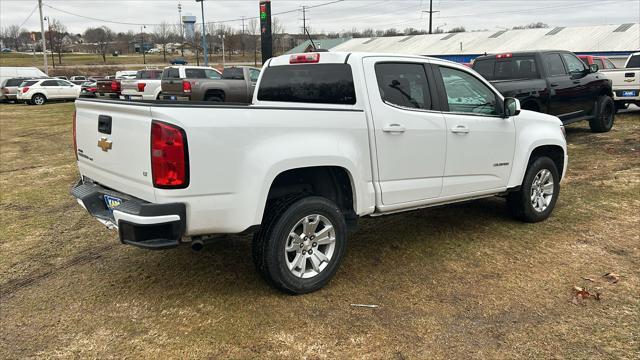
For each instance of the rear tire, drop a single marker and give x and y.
(214, 98)
(603, 116)
(539, 192)
(38, 99)
(286, 251)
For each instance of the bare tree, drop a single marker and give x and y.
(12, 34)
(457, 29)
(162, 34)
(277, 30)
(535, 25)
(56, 36)
(101, 38)
(254, 31)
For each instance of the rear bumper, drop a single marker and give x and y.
(630, 95)
(107, 95)
(139, 223)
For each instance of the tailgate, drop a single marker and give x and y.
(114, 142)
(104, 86)
(172, 86)
(129, 87)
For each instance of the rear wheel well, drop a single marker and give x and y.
(331, 182)
(214, 93)
(553, 152)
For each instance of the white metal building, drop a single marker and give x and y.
(606, 40)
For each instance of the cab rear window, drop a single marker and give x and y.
(308, 83)
(518, 67)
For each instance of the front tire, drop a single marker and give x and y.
(301, 244)
(604, 115)
(539, 192)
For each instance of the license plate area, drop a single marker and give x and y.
(626, 93)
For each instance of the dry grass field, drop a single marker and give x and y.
(463, 281)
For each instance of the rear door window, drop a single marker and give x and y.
(28, 83)
(194, 73)
(554, 63)
(308, 83)
(149, 74)
(634, 62)
(233, 74)
(485, 68)
(212, 74)
(404, 85)
(49, 83)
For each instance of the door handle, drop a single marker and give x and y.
(394, 128)
(576, 81)
(460, 129)
(554, 84)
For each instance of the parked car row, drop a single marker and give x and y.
(182, 83)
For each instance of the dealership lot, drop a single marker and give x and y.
(449, 282)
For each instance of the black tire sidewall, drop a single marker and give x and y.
(529, 213)
(33, 99)
(276, 266)
(598, 124)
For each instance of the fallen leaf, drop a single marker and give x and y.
(612, 277)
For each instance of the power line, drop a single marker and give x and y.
(210, 22)
(28, 17)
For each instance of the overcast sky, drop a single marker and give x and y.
(338, 16)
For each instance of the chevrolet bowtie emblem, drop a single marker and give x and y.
(105, 144)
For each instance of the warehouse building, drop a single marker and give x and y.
(613, 41)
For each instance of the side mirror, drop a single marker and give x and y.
(511, 107)
(594, 68)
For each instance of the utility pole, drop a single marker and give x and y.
(144, 57)
(204, 34)
(44, 41)
(53, 59)
(242, 37)
(430, 15)
(181, 29)
(304, 20)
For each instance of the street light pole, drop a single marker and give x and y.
(223, 58)
(204, 34)
(53, 59)
(44, 41)
(144, 57)
(181, 29)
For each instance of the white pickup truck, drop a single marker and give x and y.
(626, 82)
(145, 86)
(329, 138)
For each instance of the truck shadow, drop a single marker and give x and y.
(225, 266)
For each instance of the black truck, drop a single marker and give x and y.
(552, 82)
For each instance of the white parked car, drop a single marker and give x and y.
(37, 92)
(329, 138)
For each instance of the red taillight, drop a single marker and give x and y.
(504, 56)
(141, 87)
(304, 58)
(186, 86)
(92, 89)
(25, 89)
(75, 142)
(115, 86)
(169, 156)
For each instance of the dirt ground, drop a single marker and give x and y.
(463, 281)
